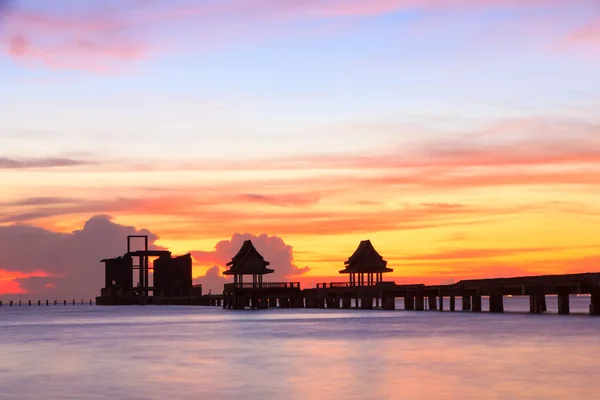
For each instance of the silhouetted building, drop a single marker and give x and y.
(118, 274)
(365, 263)
(256, 294)
(248, 261)
(173, 276)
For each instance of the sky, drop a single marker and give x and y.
(461, 137)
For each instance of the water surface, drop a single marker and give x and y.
(92, 352)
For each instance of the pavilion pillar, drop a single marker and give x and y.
(466, 303)
(452, 303)
(476, 303)
(409, 302)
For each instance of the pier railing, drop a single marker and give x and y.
(329, 285)
(265, 285)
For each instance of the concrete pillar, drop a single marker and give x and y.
(388, 303)
(377, 302)
(346, 302)
(537, 303)
(432, 302)
(466, 303)
(419, 303)
(452, 303)
(366, 303)
(563, 303)
(356, 302)
(476, 303)
(409, 303)
(595, 301)
(441, 301)
(496, 303)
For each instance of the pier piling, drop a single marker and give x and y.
(452, 303)
(496, 302)
(595, 301)
(563, 303)
(476, 303)
(419, 303)
(466, 303)
(432, 302)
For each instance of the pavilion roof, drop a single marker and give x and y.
(248, 261)
(365, 259)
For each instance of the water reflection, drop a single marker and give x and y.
(192, 352)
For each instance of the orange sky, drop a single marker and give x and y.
(461, 137)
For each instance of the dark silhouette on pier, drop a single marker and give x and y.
(365, 285)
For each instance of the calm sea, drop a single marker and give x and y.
(91, 352)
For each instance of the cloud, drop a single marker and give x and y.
(101, 37)
(63, 264)
(12, 163)
(272, 248)
(212, 281)
(287, 200)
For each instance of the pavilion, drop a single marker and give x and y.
(248, 261)
(365, 263)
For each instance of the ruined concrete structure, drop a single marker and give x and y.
(172, 278)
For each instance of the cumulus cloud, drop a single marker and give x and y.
(212, 281)
(272, 248)
(70, 262)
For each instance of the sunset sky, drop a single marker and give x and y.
(461, 137)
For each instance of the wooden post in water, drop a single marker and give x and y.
(476, 303)
(19, 303)
(39, 302)
(29, 303)
(452, 303)
(409, 302)
(11, 303)
(441, 297)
